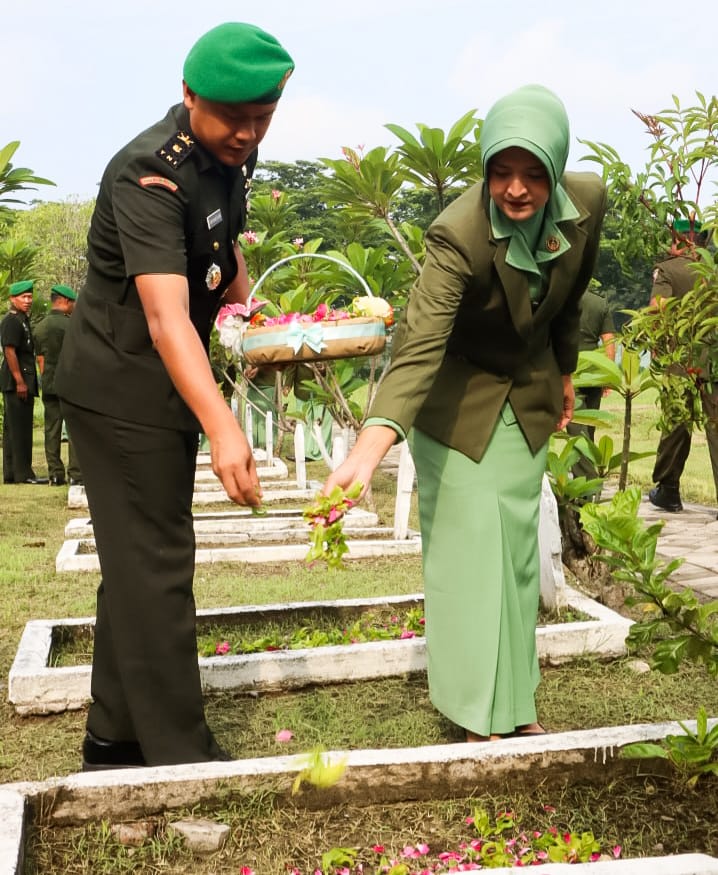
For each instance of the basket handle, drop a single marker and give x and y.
(281, 261)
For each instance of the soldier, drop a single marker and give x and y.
(49, 336)
(18, 381)
(136, 388)
(673, 278)
(596, 328)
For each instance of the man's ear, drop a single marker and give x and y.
(188, 95)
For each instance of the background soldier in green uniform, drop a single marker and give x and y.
(595, 328)
(49, 335)
(674, 277)
(18, 382)
(137, 388)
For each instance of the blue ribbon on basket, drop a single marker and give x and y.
(299, 333)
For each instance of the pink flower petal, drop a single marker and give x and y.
(284, 735)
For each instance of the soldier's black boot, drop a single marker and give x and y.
(666, 497)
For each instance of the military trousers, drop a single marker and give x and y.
(53, 442)
(17, 438)
(145, 674)
(674, 447)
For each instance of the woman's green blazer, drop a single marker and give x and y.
(471, 338)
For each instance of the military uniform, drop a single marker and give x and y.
(49, 336)
(596, 321)
(18, 416)
(674, 278)
(165, 205)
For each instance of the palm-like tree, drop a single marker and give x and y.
(14, 179)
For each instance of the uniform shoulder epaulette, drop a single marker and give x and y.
(176, 149)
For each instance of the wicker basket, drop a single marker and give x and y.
(313, 341)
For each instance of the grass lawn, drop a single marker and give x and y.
(393, 712)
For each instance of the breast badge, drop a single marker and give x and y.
(214, 277)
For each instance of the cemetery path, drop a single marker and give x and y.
(692, 535)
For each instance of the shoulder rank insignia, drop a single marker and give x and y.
(176, 149)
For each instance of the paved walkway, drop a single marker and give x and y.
(692, 535)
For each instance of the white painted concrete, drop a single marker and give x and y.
(278, 519)
(80, 554)
(382, 776)
(36, 688)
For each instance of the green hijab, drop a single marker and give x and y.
(533, 118)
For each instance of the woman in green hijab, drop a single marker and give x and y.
(480, 377)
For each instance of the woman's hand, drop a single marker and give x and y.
(569, 399)
(372, 445)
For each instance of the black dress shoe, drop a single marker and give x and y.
(99, 754)
(57, 481)
(667, 498)
(36, 481)
(75, 481)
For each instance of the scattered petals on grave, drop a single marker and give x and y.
(365, 628)
(494, 843)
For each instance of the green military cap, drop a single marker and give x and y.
(237, 63)
(683, 226)
(21, 287)
(65, 291)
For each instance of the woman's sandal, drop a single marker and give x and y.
(527, 731)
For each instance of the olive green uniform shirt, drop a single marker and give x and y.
(472, 338)
(673, 277)
(596, 320)
(165, 206)
(15, 332)
(49, 335)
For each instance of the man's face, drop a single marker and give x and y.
(23, 302)
(230, 131)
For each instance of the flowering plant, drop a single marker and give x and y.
(325, 518)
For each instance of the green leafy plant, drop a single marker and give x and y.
(677, 626)
(627, 378)
(365, 628)
(694, 754)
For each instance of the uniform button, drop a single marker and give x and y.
(215, 246)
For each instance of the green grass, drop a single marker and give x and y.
(392, 712)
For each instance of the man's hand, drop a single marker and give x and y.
(569, 400)
(233, 463)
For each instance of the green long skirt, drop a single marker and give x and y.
(479, 528)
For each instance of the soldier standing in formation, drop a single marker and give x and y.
(673, 278)
(49, 336)
(18, 382)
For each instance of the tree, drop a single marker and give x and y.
(439, 161)
(59, 231)
(674, 181)
(14, 179)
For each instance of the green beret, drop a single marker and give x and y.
(65, 291)
(21, 287)
(683, 226)
(237, 63)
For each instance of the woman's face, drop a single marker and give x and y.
(518, 183)
(230, 131)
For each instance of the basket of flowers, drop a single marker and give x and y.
(327, 333)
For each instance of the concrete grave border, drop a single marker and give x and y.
(34, 687)
(381, 776)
